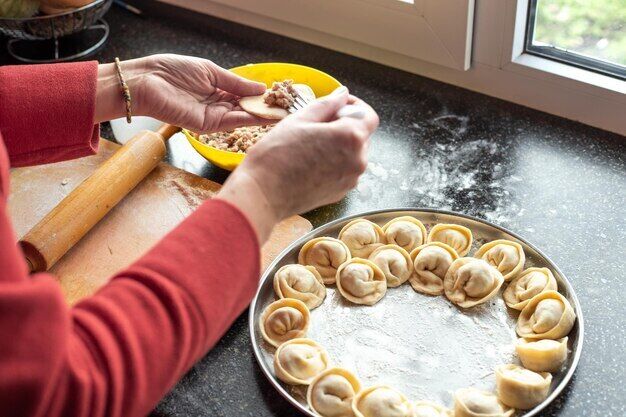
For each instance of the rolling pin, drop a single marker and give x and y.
(88, 203)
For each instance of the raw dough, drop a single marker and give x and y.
(299, 361)
(471, 402)
(430, 409)
(546, 316)
(381, 401)
(325, 254)
(506, 256)
(256, 105)
(395, 263)
(283, 320)
(454, 235)
(520, 388)
(361, 281)
(430, 264)
(303, 283)
(471, 281)
(529, 283)
(362, 237)
(331, 392)
(542, 355)
(406, 232)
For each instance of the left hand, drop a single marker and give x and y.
(189, 92)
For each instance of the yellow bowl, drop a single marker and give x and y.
(321, 83)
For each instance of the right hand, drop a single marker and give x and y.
(309, 159)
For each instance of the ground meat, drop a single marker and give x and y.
(238, 140)
(281, 94)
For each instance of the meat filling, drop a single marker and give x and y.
(238, 140)
(281, 94)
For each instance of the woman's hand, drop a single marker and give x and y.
(184, 91)
(309, 159)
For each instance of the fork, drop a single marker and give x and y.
(349, 110)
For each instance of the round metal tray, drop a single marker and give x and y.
(422, 345)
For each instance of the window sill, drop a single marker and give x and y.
(570, 76)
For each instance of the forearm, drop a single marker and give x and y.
(109, 99)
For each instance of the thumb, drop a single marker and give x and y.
(235, 84)
(325, 108)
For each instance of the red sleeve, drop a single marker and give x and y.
(118, 352)
(47, 111)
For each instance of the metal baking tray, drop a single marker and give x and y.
(424, 346)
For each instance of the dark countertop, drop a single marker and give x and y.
(560, 184)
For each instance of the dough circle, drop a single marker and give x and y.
(521, 388)
(547, 315)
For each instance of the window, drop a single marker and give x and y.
(589, 34)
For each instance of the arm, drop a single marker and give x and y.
(50, 113)
(47, 112)
(118, 352)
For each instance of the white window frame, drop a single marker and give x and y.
(499, 66)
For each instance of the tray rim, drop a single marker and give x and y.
(266, 275)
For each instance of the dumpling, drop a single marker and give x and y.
(430, 265)
(471, 402)
(530, 283)
(324, 254)
(362, 237)
(381, 401)
(456, 236)
(542, 355)
(546, 316)
(406, 232)
(361, 281)
(331, 392)
(430, 409)
(299, 361)
(520, 388)
(506, 256)
(283, 320)
(303, 283)
(394, 262)
(471, 281)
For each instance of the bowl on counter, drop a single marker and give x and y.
(267, 73)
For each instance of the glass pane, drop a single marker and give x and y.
(594, 28)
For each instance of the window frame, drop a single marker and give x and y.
(565, 56)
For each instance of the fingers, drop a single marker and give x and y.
(239, 118)
(234, 84)
(325, 108)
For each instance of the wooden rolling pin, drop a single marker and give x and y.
(83, 208)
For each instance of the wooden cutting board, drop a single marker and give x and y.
(153, 208)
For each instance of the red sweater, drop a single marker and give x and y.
(118, 352)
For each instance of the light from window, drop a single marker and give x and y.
(585, 33)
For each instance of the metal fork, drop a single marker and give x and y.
(299, 102)
(349, 110)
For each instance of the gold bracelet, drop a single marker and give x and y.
(125, 89)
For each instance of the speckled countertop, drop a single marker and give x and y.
(559, 184)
